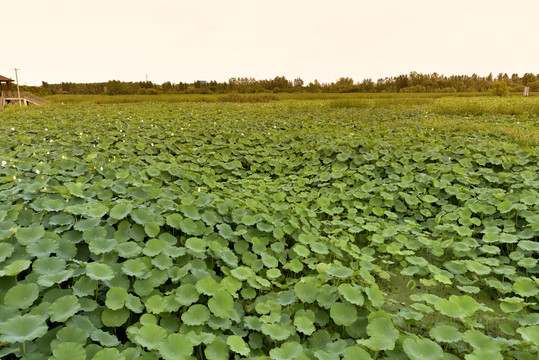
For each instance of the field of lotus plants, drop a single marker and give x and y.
(289, 230)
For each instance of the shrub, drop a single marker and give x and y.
(500, 89)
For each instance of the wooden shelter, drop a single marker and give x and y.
(7, 81)
(7, 96)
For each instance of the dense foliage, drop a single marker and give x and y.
(406, 83)
(269, 231)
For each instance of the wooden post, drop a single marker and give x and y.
(18, 89)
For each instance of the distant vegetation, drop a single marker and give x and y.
(410, 83)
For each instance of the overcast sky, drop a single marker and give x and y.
(178, 40)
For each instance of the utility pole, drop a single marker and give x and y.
(18, 89)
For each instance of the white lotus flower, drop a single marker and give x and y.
(37, 172)
(4, 162)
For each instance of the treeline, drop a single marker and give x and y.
(413, 83)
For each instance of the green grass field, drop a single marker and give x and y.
(337, 227)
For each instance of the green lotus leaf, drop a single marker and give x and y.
(121, 210)
(351, 294)
(99, 271)
(101, 245)
(528, 245)
(21, 296)
(108, 354)
(277, 332)
(75, 189)
(63, 308)
(97, 210)
(174, 220)
(50, 204)
(72, 334)
(477, 267)
(429, 198)
(156, 304)
(238, 345)
(30, 235)
(301, 250)
(197, 314)
(191, 212)
(445, 333)
(104, 338)
(6, 250)
(128, 249)
(356, 352)
(530, 334)
(23, 328)
(152, 229)
(114, 318)
(196, 245)
(47, 265)
(69, 351)
(340, 272)
(135, 267)
(15, 268)
(273, 273)
(289, 350)
(61, 219)
(207, 286)
(304, 324)
(134, 304)
(375, 296)
(505, 206)
(150, 336)
(422, 349)
(457, 306)
(383, 334)
(211, 218)
(188, 226)
(484, 354)
(525, 287)
(186, 294)
(47, 280)
(143, 215)
(94, 233)
(116, 298)
(154, 247)
(176, 347)
(201, 337)
(243, 273)
(307, 290)
(343, 313)
(221, 304)
(217, 350)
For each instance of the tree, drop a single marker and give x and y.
(500, 88)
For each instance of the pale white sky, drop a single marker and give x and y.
(179, 40)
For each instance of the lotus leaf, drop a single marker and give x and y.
(107, 354)
(422, 349)
(150, 336)
(457, 306)
(99, 271)
(289, 350)
(28, 236)
(197, 314)
(238, 345)
(114, 318)
(445, 333)
(21, 296)
(22, 328)
(69, 351)
(221, 304)
(176, 347)
(63, 308)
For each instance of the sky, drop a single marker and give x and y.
(184, 41)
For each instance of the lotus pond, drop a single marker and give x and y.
(264, 231)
